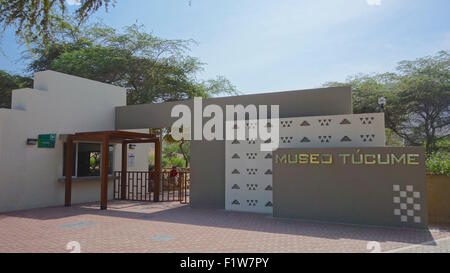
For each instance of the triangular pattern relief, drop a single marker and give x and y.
(286, 123)
(305, 140)
(345, 121)
(305, 123)
(235, 142)
(345, 139)
(236, 156)
(236, 187)
(236, 171)
(325, 139)
(268, 172)
(268, 156)
(236, 202)
(286, 139)
(367, 120)
(268, 188)
(367, 138)
(269, 204)
(324, 122)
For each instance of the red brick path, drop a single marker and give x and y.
(171, 227)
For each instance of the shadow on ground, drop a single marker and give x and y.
(184, 214)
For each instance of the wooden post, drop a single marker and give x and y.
(104, 174)
(157, 170)
(68, 184)
(123, 178)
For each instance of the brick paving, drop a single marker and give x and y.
(172, 227)
(437, 246)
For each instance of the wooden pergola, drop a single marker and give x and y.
(105, 138)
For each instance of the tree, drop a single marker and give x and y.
(8, 83)
(418, 99)
(34, 20)
(150, 68)
(424, 100)
(366, 90)
(183, 147)
(42, 54)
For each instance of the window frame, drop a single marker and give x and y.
(111, 158)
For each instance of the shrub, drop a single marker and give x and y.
(438, 163)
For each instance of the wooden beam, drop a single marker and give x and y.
(135, 141)
(114, 135)
(157, 170)
(124, 134)
(68, 168)
(123, 179)
(104, 174)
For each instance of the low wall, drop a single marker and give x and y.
(383, 186)
(438, 192)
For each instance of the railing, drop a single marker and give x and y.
(140, 186)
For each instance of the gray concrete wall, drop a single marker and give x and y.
(208, 158)
(352, 193)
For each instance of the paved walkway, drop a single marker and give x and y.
(438, 246)
(171, 227)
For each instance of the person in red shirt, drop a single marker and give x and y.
(173, 172)
(173, 175)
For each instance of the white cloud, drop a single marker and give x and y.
(73, 2)
(373, 2)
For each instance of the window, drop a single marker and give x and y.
(87, 159)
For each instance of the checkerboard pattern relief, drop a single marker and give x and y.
(249, 170)
(407, 204)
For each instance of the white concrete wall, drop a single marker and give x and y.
(30, 177)
(140, 153)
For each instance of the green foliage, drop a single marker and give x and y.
(418, 99)
(172, 156)
(150, 68)
(366, 89)
(182, 147)
(392, 139)
(39, 19)
(177, 162)
(170, 150)
(151, 160)
(8, 83)
(99, 63)
(443, 144)
(438, 163)
(424, 99)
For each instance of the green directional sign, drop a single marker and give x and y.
(46, 141)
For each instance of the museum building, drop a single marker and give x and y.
(331, 164)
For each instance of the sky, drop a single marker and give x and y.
(276, 45)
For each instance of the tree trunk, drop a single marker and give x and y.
(184, 154)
